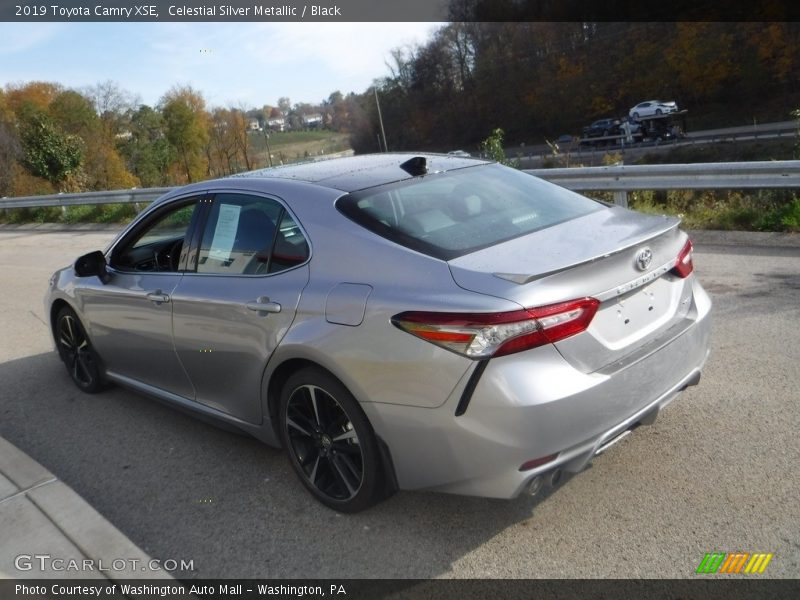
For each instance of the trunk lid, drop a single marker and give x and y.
(594, 255)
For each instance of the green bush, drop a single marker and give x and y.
(782, 218)
(492, 148)
(81, 214)
(768, 210)
(101, 213)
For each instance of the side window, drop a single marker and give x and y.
(158, 244)
(248, 235)
(291, 248)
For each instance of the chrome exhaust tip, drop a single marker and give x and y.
(535, 486)
(555, 477)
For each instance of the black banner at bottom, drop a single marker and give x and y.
(403, 589)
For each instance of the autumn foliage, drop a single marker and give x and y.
(533, 81)
(539, 80)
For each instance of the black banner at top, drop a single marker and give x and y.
(395, 10)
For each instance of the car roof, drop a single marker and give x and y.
(353, 173)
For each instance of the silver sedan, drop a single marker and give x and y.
(394, 321)
(652, 108)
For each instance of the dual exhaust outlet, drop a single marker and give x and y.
(554, 477)
(537, 483)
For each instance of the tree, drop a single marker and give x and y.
(222, 146)
(147, 151)
(702, 57)
(112, 104)
(186, 129)
(37, 93)
(103, 167)
(239, 123)
(74, 114)
(336, 112)
(47, 151)
(284, 104)
(10, 153)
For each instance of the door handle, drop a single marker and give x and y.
(158, 297)
(263, 305)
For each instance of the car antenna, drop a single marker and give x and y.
(415, 166)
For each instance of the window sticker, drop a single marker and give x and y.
(225, 231)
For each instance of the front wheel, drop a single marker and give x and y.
(76, 351)
(330, 442)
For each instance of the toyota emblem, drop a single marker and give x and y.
(643, 258)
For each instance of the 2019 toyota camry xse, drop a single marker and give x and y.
(395, 321)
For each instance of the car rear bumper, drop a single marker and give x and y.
(534, 404)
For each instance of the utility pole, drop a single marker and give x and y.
(380, 119)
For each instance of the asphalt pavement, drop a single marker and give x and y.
(716, 472)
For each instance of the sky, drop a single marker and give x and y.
(232, 64)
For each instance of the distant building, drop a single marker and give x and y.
(277, 124)
(253, 125)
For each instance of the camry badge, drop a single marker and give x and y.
(643, 258)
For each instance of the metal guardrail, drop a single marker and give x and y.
(622, 179)
(114, 197)
(618, 179)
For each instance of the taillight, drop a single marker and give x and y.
(485, 335)
(684, 265)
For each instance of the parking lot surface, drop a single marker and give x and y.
(716, 472)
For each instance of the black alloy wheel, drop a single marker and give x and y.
(331, 444)
(77, 353)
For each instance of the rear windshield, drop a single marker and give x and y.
(451, 214)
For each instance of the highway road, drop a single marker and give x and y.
(718, 471)
(532, 157)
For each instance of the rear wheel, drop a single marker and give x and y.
(658, 111)
(76, 351)
(330, 442)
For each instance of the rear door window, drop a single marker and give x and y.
(249, 235)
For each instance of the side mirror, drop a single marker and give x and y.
(91, 264)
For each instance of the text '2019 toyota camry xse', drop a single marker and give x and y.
(394, 321)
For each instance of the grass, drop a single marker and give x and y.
(768, 210)
(292, 146)
(744, 151)
(99, 213)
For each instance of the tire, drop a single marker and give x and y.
(636, 116)
(75, 349)
(331, 445)
(658, 111)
